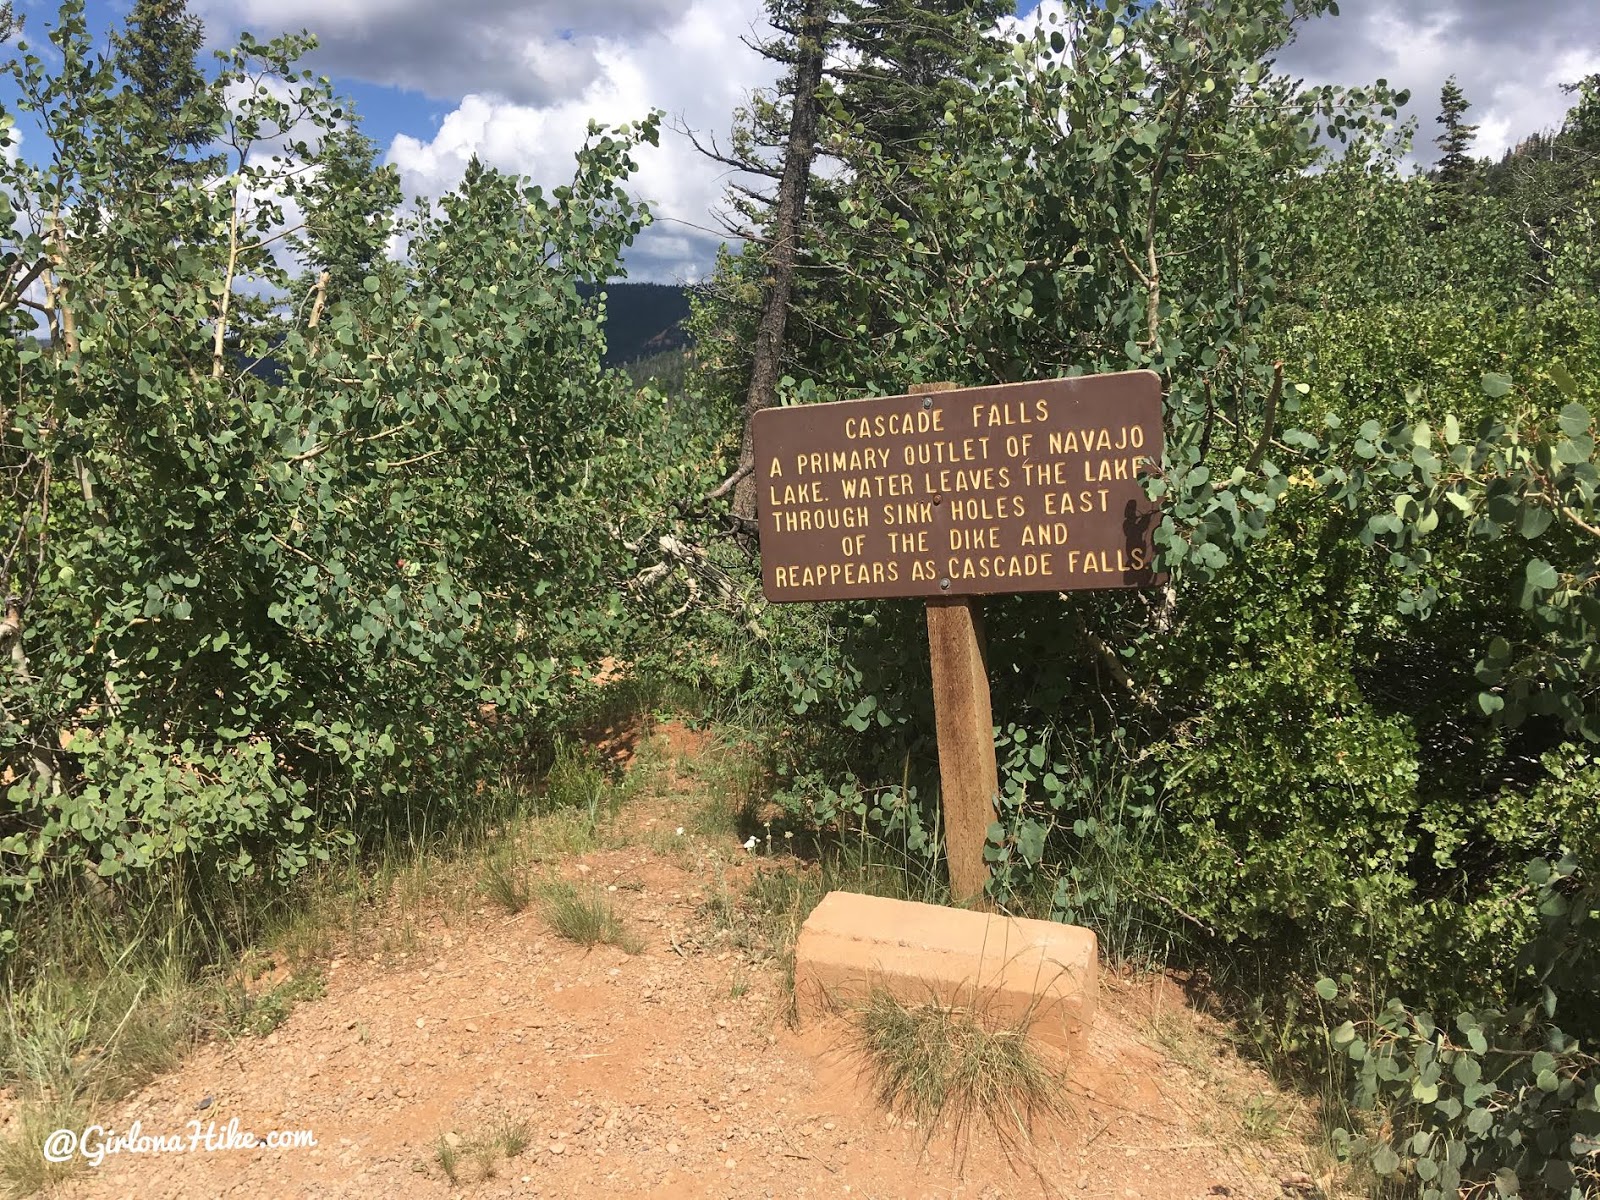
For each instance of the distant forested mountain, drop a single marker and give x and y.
(643, 319)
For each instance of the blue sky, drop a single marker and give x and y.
(515, 81)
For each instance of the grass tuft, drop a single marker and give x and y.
(503, 882)
(259, 1014)
(488, 1163)
(578, 781)
(512, 1136)
(24, 1170)
(448, 1157)
(69, 1041)
(586, 916)
(508, 1138)
(934, 1063)
(734, 782)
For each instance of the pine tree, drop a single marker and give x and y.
(778, 142)
(155, 54)
(349, 209)
(1581, 130)
(902, 65)
(875, 72)
(165, 111)
(1456, 166)
(1547, 179)
(904, 58)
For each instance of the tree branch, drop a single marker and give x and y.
(1270, 419)
(316, 304)
(218, 342)
(737, 164)
(728, 484)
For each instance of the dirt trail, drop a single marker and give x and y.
(670, 1073)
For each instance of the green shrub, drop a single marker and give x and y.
(1501, 1097)
(297, 562)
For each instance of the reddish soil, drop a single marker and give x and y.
(672, 1073)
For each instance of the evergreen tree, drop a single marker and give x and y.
(349, 211)
(1456, 166)
(884, 73)
(1547, 180)
(1581, 131)
(156, 55)
(778, 141)
(165, 114)
(904, 60)
(903, 65)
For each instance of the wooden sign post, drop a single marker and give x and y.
(950, 494)
(969, 777)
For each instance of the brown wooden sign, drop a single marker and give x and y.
(1020, 487)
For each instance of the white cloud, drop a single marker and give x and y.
(531, 51)
(1046, 14)
(695, 69)
(1509, 57)
(526, 79)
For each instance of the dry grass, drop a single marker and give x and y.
(507, 1138)
(447, 1153)
(24, 1169)
(502, 881)
(562, 834)
(935, 1064)
(733, 782)
(259, 1013)
(511, 1136)
(584, 915)
(69, 1041)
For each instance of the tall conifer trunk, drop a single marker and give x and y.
(799, 153)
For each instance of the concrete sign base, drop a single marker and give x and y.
(1009, 969)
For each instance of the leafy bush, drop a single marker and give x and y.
(1501, 1097)
(292, 561)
